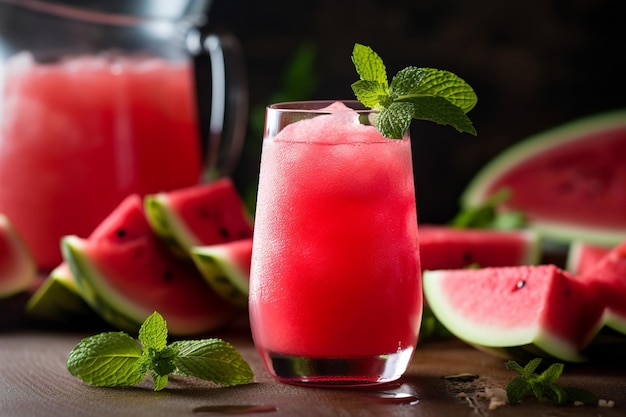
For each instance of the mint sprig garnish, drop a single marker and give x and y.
(115, 359)
(542, 385)
(414, 93)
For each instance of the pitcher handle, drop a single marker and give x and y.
(223, 143)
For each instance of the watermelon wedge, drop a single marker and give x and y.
(126, 273)
(516, 311)
(125, 223)
(126, 283)
(608, 277)
(568, 181)
(443, 247)
(226, 267)
(58, 301)
(200, 215)
(581, 256)
(18, 271)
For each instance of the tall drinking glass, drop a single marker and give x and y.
(335, 287)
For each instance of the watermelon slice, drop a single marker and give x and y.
(206, 214)
(582, 256)
(443, 247)
(538, 309)
(126, 223)
(126, 283)
(58, 301)
(226, 267)
(18, 271)
(126, 279)
(568, 181)
(608, 277)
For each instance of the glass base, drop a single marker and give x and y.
(337, 372)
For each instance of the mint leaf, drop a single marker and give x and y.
(435, 95)
(370, 93)
(212, 359)
(115, 359)
(160, 381)
(106, 360)
(514, 366)
(552, 373)
(369, 65)
(488, 216)
(531, 367)
(153, 332)
(507, 220)
(413, 82)
(157, 358)
(543, 385)
(557, 394)
(517, 389)
(395, 119)
(439, 110)
(161, 361)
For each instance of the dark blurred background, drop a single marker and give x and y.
(534, 64)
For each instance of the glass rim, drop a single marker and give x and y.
(318, 106)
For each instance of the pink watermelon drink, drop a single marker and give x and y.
(335, 290)
(79, 136)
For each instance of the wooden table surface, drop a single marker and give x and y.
(34, 382)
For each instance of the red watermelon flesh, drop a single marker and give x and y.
(503, 307)
(583, 256)
(139, 277)
(127, 279)
(608, 277)
(214, 211)
(443, 247)
(583, 180)
(205, 214)
(226, 267)
(569, 181)
(126, 222)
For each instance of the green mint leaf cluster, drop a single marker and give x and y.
(542, 385)
(487, 215)
(115, 359)
(414, 93)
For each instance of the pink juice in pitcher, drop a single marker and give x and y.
(335, 268)
(78, 136)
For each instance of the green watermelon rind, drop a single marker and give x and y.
(574, 253)
(475, 192)
(534, 247)
(58, 299)
(23, 273)
(431, 327)
(615, 321)
(506, 342)
(95, 293)
(568, 232)
(168, 225)
(223, 276)
(126, 311)
(572, 260)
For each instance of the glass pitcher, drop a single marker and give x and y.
(101, 99)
